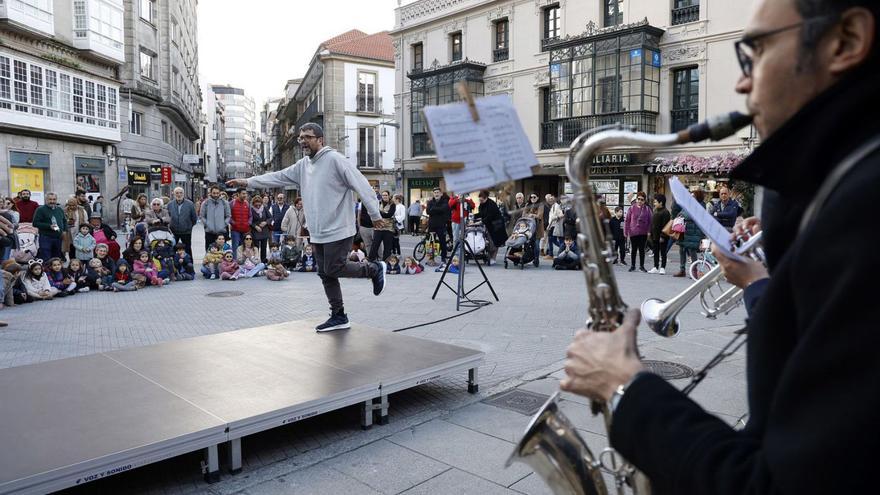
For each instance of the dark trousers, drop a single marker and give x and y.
(414, 225)
(638, 246)
(333, 264)
(210, 237)
(620, 248)
(660, 251)
(440, 234)
(50, 247)
(262, 245)
(395, 245)
(386, 238)
(186, 239)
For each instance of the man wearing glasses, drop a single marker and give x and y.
(327, 180)
(811, 74)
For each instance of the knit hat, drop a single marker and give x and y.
(95, 214)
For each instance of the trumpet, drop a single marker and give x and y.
(550, 445)
(662, 316)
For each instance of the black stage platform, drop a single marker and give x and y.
(68, 422)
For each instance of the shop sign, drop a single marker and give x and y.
(28, 160)
(190, 159)
(614, 159)
(166, 175)
(138, 178)
(89, 165)
(155, 172)
(424, 183)
(179, 177)
(594, 170)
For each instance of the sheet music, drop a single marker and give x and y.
(707, 223)
(494, 150)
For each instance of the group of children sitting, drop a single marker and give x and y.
(282, 259)
(393, 266)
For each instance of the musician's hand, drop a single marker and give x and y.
(750, 226)
(740, 273)
(237, 183)
(379, 224)
(599, 362)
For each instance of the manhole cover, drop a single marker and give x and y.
(668, 369)
(225, 293)
(521, 401)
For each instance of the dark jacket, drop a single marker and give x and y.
(812, 368)
(364, 218)
(438, 213)
(569, 223)
(183, 216)
(692, 233)
(257, 217)
(658, 221)
(43, 221)
(616, 226)
(726, 213)
(277, 214)
(184, 264)
(492, 220)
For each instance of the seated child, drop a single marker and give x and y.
(357, 255)
(84, 243)
(113, 249)
(307, 262)
(275, 271)
(393, 265)
(76, 271)
(36, 283)
(122, 279)
(97, 275)
(163, 260)
(183, 264)
(145, 266)
(411, 266)
(58, 278)
(567, 259)
(290, 253)
(102, 253)
(211, 263)
(454, 268)
(228, 267)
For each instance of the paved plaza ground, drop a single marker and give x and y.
(440, 438)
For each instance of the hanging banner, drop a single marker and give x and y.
(166, 175)
(27, 178)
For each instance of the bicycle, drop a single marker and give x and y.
(420, 250)
(705, 261)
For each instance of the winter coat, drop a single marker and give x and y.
(241, 216)
(294, 220)
(258, 217)
(183, 216)
(85, 246)
(215, 215)
(151, 216)
(616, 226)
(555, 218)
(56, 279)
(638, 221)
(75, 218)
(438, 213)
(692, 233)
(108, 263)
(659, 220)
(726, 213)
(230, 267)
(386, 211)
(569, 223)
(455, 215)
(277, 214)
(34, 287)
(26, 210)
(491, 217)
(43, 221)
(184, 264)
(536, 210)
(245, 255)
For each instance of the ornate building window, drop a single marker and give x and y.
(685, 97)
(613, 10)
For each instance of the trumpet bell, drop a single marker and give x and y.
(654, 312)
(553, 448)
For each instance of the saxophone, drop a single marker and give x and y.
(551, 445)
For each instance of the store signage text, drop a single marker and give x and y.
(613, 159)
(166, 175)
(604, 170)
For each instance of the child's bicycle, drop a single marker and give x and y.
(429, 243)
(705, 261)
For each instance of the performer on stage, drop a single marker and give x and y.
(327, 180)
(811, 76)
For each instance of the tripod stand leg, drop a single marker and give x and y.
(483, 273)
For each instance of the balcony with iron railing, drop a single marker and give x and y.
(421, 145)
(500, 54)
(313, 113)
(369, 104)
(546, 42)
(682, 119)
(560, 133)
(367, 159)
(683, 15)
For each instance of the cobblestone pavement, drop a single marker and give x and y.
(433, 427)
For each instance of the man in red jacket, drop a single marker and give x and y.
(240, 223)
(457, 215)
(26, 207)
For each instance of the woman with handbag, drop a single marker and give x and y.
(659, 238)
(294, 223)
(636, 227)
(689, 240)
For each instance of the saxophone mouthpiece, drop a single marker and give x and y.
(715, 128)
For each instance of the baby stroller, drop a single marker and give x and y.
(161, 242)
(476, 235)
(26, 239)
(521, 243)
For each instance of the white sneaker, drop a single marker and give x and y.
(84, 289)
(653, 270)
(662, 271)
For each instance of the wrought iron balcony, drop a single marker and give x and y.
(421, 145)
(369, 160)
(313, 113)
(368, 104)
(560, 133)
(684, 15)
(681, 119)
(546, 42)
(500, 54)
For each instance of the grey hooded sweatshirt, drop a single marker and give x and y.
(327, 183)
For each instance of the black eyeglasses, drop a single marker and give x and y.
(745, 47)
(303, 139)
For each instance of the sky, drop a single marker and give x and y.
(258, 45)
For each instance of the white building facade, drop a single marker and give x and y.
(570, 66)
(60, 96)
(240, 147)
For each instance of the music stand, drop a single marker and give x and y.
(461, 246)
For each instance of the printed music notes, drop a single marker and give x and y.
(494, 148)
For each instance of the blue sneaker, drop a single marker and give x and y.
(336, 322)
(379, 278)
